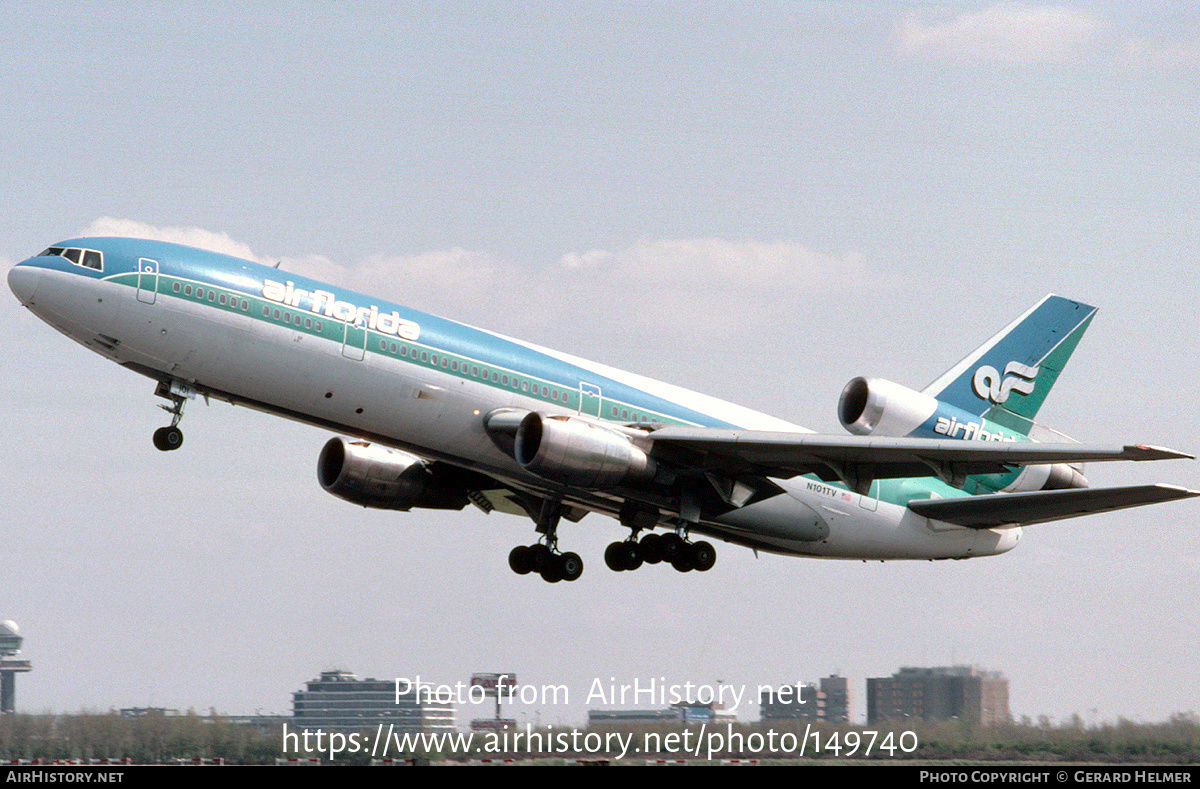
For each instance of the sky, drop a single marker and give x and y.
(759, 201)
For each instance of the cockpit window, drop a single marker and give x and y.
(89, 258)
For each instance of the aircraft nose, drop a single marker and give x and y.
(23, 282)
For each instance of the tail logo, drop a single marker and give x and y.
(989, 385)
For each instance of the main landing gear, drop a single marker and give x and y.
(171, 437)
(672, 548)
(653, 548)
(543, 557)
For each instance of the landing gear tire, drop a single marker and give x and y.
(611, 558)
(621, 556)
(541, 557)
(651, 548)
(552, 571)
(703, 556)
(520, 559)
(168, 438)
(553, 567)
(683, 563)
(571, 566)
(672, 547)
(631, 557)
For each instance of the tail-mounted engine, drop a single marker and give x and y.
(579, 452)
(876, 407)
(381, 478)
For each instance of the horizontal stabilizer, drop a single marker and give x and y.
(1012, 509)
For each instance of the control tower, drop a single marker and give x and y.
(10, 664)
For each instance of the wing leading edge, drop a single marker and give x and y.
(857, 460)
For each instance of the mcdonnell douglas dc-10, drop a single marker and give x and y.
(441, 415)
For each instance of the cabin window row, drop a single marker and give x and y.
(475, 371)
(625, 415)
(293, 319)
(425, 357)
(233, 302)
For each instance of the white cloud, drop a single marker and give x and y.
(627, 288)
(697, 267)
(705, 281)
(670, 285)
(1004, 33)
(431, 281)
(700, 262)
(189, 236)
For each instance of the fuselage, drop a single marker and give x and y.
(367, 368)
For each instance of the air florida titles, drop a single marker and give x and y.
(323, 302)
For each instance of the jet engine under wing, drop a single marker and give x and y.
(857, 460)
(1011, 509)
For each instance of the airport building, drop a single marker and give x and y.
(826, 701)
(340, 700)
(944, 693)
(10, 664)
(676, 713)
(149, 712)
(838, 698)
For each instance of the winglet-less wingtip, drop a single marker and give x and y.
(1175, 492)
(1147, 452)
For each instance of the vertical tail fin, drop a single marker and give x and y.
(1006, 380)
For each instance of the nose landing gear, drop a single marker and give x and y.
(168, 438)
(171, 437)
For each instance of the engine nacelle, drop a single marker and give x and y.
(1056, 476)
(381, 478)
(578, 452)
(877, 407)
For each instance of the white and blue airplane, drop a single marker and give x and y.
(441, 415)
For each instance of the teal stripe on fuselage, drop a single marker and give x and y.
(456, 341)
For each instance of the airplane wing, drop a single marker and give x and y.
(1010, 509)
(857, 460)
